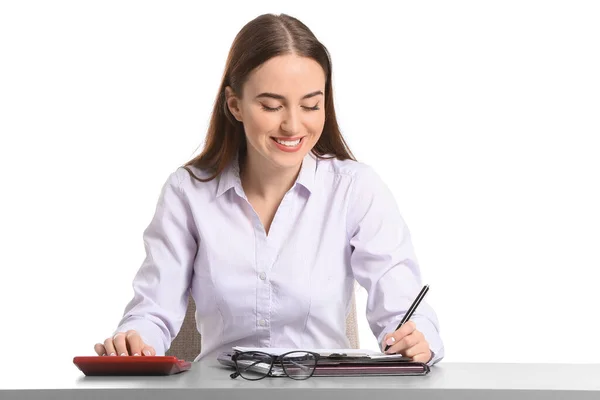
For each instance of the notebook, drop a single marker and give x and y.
(339, 362)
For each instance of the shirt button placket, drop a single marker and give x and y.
(263, 290)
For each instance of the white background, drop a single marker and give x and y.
(482, 117)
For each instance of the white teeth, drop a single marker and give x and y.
(287, 143)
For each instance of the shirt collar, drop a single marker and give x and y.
(308, 170)
(230, 177)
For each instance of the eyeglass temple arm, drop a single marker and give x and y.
(237, 373)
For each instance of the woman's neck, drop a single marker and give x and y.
(263, 180)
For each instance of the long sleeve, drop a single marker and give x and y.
(384, 263)
(161, 284)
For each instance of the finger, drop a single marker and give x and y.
(420, 347)
(99, 349)
(120, 344)
(135, 342)
(148, 351)
(388, 338)
(422, 357)
(405, 330)
(110, 347)
(403, 344)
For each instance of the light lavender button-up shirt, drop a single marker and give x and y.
(291, 288)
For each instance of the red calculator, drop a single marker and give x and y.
(131, 365)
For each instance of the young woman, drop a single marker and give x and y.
(269, 227)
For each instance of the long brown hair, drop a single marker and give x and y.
(261, 39)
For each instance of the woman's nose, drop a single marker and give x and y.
(291, 122)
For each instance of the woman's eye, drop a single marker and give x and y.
(270, 108)
(314, 108)
(267, 108)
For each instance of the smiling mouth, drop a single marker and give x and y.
(288, 143)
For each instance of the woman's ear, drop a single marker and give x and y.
(233, 103)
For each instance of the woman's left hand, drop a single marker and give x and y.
(409, 342)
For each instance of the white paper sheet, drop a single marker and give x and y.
(323, 352)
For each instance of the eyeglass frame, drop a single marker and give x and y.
(274, 358)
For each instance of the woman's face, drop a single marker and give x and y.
(282, 109)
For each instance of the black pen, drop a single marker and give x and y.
(411, 310)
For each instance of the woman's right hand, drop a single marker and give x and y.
(128, 343)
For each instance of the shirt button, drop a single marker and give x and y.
(262, 322)
(262, 276)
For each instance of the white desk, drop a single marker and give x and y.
(207, 379)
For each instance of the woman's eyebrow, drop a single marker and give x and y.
(280, 97)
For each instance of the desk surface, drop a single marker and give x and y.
(208, 379)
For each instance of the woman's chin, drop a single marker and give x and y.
(289, 160)
(286, 158)
(289, 163)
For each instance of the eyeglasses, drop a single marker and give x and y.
(255, 365)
